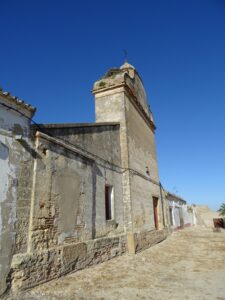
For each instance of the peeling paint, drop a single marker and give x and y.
(11, 155)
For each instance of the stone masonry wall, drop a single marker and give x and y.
(34, 268)
(63, 197)
(101, 142)
(147, 239)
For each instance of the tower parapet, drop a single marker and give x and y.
(128, 78)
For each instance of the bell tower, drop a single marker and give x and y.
(120, 97)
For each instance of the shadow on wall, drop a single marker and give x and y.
(4, 151)
(30, 150)
(95, 172)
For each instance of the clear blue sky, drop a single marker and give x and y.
(52, 51)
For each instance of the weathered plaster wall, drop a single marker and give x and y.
(188, 215)
(63, 197)
(67, 229)
(15, 186)
(116, 102)
(181, 214)
(100, 139)
(137, 89)
(110, 105)
(102, 143)
(56, 209)
(141, 139)
(142, 157)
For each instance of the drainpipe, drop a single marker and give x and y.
(160, 186)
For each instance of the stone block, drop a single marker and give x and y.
(72, 253)
(131, 243)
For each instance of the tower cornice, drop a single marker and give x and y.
(131, 96)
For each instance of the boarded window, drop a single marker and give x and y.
(108, 202)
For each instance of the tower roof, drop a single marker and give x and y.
(127, 79)
(126, 65)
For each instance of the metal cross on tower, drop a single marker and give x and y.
(125, 55)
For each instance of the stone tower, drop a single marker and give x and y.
(120, 97)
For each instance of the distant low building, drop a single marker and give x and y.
(180, 214)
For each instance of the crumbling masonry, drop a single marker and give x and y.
(74, 195)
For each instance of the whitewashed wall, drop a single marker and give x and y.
(12, 124)
(181, 215)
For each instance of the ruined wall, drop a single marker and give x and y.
(67, 229)
(63, 197)
(101, 141)
(16, 160)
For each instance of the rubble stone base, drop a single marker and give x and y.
(31, 269)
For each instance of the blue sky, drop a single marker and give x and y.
(52, 52)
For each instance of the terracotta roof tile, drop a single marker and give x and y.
(17, 101)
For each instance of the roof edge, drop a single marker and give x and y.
(71, 125)
(17, 101)
(175, 196)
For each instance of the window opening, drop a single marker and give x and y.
(108, 202)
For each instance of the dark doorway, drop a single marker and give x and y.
(155, 208)
(108, 202)
(181, 217)
(171, 216)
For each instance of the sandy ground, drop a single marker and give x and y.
(190, 264)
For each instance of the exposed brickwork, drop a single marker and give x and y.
(24, 192)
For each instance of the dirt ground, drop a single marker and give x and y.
(190, 264)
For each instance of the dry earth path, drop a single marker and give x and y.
(190, 264)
